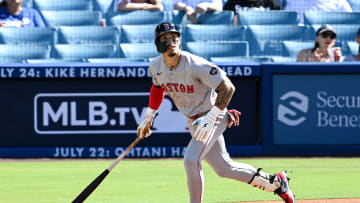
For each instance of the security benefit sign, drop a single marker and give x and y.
(316, 109)
(100, 113)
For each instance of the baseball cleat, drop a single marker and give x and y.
(284, 190)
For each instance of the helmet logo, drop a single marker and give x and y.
(166, 26)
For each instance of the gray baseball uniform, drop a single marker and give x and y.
(191, 85)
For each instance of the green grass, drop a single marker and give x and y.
(165, 180)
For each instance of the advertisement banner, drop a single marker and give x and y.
(316, 109)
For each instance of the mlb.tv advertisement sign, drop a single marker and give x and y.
(87, 111)
(316, 109)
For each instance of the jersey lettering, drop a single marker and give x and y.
(176, 87)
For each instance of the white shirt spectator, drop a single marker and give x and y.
(301, 6)
(117, 2)
(194, 3)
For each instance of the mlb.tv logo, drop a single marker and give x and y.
(101, 113)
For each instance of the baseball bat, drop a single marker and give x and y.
(96, 182)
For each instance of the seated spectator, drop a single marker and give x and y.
(256, 5)
(300, 6)
(324, 50)
(131, 5)
(194, 7)
(247, 5)
(13, 14)
(355, 57)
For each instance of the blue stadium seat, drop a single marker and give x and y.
(168, 5)
(88, 35)
(317, 17)
(137, 33)
(343, 32)
(56, 5)
(240, 59)
(72, 18)
(218, 17)
(177, 17)
(283, 59)
(137, 17)
(194, 32)
(27, 3)
(353, 47)
(104, 6)
(116, 60)
(355, 5)
(24, 51)
(84, 51)
(34, 35)
(218, 49)
(267, 17)
(7, 60)
(292, 48)
(138, 50)
(266, 40)
(53, 60)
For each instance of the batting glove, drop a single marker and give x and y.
(143, 129)
(205, 124)
(234, 117)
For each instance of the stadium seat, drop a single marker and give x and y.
(53, 60)
(218, 49)
(283, 59)
(104, 6)
(138, 50)
(266, 40)
(177, 17)
(218, 17)
(353, 47)
(240, 59)
(56, 5)
(168, 5)
(137, 33)
(137, 17)
(292, 48)
(27, 3)
(194, 32)
(355, 5)
(45, 36)
(24, 51)
(84, 51)
(71, 18)
(267, 17)
(116, 60)
(343, 32)
(88, 35)
(317, 17)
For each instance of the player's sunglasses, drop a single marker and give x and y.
(331, 35)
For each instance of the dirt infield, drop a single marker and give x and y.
(315, 201)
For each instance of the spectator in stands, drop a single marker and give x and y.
(246, 5)
(131, 5)
(355, 57)
(13, 14)
(256, 5)
(324, 50)
(300, 6)
(194, 7)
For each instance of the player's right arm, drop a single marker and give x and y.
(157, 94)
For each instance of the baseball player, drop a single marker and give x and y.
(201, 91)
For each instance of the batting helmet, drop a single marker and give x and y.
(161, 29)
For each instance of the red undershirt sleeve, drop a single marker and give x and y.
(157, 95)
